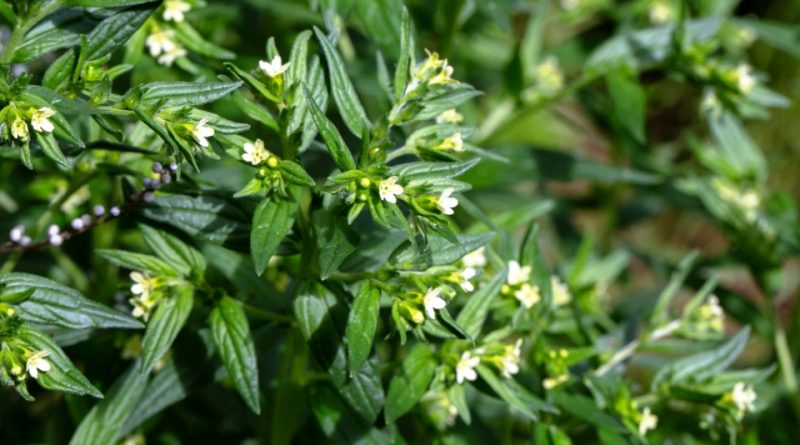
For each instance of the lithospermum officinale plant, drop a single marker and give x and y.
(285, 246)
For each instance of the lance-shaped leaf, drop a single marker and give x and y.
(361, 325)
(406, 60)
(333, 139)
(344, 94)
(51, 303)
(235, 344)
(167, 321)
(184, 94)
(438, 252)
(62, 375)
(137, 261)
(104, 422)
(335, 239)
(105, 3)
(272, 221)
(473, 315)
(185, 259)
(411, 381)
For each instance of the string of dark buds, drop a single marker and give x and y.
(20, 242)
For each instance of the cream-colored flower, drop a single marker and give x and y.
(660, 12)
(463, 279)
(561, 295)
(446, 203)
(19, 129)
(444, 76)
(450, 116)
(744, 397)
(475, 259)
(465, 369)
(517, 274)
(255, 153)
(453, 142)
(389, 189)
(275, 67)
(201, 131)
(40, 121)
(433, 302)
(527, 295)
(648, 421)
(36, 363)
(175, 9)
(160, 42)
(511, 359)
(142, 285)
(169, 57)
(552, 382)
(549, 76)
(745, 79)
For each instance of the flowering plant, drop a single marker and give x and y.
(337, 238)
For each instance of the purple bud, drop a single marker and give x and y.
(17, 233)
(77, 223)
(114, 211)
(155, 184)
(86, 219)
(147, 183)
(149, 197)
(53, 230)
(157, 167)
(56, 240)
(173, 167)
(166, 178)
(25, 240)
(99, 210)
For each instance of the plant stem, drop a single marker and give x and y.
(23, 26)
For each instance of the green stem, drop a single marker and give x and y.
(23, 26)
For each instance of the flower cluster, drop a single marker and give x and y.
(162, 45)
(16, 117)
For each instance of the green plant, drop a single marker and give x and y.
(336, 238)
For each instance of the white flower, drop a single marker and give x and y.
(517, 274)
(255, 153)
(273, 68)
(171, 56)
(648, 421)
(745, 79)
(200, 131)
(142, 285)
(475, 259)
(19, 129)
(568, 5)
(174, 10)
(465, 369)
(446, 203)
(561, 295)
(389, 189)
(444, 76)
(36, 363)
(160, 42)
(464, 276)
(549, 76)
(660, 12)
(527, 295)
(450, 116)
(511, 359)
(40, 121)
(744, 397)
(454, 142)
(433, 301)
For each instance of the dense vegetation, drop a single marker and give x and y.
(386, 221)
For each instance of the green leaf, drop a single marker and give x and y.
(335, 239)
(361, 325)
(344, 94)
(137, 262)
(51, 303)
(232, 335)
(60, 30)
(52, 150)
(586, 409)
(185, 259)
(195, 42)
(474, 313)
(295, 174)
(62, 376)
(704, 365)
(272, 221)
(784, 36)
(406, 60)
(737, 147)
(628, 101)
(105, 3)
(660, 314)
(184, 94)
(114, 31)
(207, 217)
(167, 320)
(333, 139)
(381, 20)
(416, 173)
(411, 381)
(505, 393)
(103, 424)
(322, 320)
(439, 251)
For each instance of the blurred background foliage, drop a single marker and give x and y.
(572, 160)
